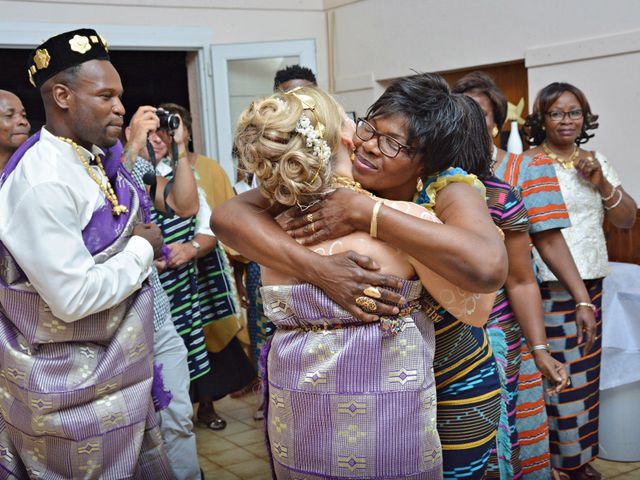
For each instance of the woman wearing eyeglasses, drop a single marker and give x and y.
(591, 188)
(536, 181)
(465, 249)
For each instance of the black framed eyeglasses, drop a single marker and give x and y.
(388, 146)
(559, 115)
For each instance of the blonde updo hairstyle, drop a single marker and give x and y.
(268, 146)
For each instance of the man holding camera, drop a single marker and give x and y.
(76, 333)
(169, 349)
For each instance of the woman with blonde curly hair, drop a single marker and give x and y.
(346, 397)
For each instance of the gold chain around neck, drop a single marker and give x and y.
(349, 183)
(108, 190)
(566, 163)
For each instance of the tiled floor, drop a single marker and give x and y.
(238, 451)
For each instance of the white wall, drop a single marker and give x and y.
(231, 21)
(592, 43)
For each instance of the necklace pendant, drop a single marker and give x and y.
(119, 209)
(568, 165)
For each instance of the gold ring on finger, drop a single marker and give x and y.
(373, 292)
(309, 217)
(367, 304)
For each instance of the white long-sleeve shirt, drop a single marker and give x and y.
(44, 206)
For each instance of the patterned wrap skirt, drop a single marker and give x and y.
(531, 421)
(505, 337)
(181, 286)
(573, 414)
(346, 399)
(468, 392)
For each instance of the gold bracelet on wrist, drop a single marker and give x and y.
(373, 229)
(588, 305)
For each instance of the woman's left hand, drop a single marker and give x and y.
(586, 328)
(333, 217)
(181, 253)
(590, 169)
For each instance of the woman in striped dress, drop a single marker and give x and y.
(559, 124)
(217, 297)
(537, 183)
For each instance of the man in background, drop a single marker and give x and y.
(294, 76)
(14, 126)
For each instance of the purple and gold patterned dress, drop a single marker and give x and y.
(347, 399)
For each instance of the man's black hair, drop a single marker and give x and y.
(293, 72)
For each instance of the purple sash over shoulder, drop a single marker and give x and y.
(77, 396)
(104, 227)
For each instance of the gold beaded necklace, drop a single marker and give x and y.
(349, 183)
(108, 190)
(567, 164)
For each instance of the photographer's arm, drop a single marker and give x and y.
(246, 224)
(183, 197)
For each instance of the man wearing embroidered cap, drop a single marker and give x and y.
(76, 327)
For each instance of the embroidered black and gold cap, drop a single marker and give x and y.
(63, 51)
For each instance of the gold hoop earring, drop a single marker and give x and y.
(495, 131)
(419, 185)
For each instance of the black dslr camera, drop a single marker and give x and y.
(168, 120)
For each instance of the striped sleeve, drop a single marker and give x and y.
(540, 192)
(505, 206)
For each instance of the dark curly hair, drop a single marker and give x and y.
(545, 98)
(444, 129)
(293, 72)
(481, 82)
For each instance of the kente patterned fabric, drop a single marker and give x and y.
(181, 286)
(468, 392)
(537, 183)
(467, 378)
(509, 214)
(531, 420)
(573, 414)
(75, 398)
(347, 400)
(261, 329)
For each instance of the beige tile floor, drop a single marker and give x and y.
(238, 451)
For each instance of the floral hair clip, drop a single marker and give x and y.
(314, 135)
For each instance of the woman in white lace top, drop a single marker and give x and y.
(591, 188)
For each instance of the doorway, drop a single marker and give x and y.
(148, 78)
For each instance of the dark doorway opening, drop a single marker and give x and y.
(148, 78)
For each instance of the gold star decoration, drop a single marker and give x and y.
(514, 112)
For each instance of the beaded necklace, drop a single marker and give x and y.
(108, 190)
(567, 164)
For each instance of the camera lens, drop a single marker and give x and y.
(168, 120)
